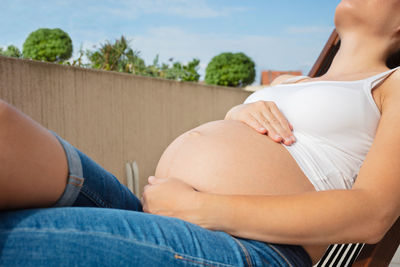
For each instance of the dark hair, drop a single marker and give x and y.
(394, 60)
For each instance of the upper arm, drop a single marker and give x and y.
(281, 78)
(379, 175)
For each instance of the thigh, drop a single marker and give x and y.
(110, 237)
(40, 169)
(33, 166)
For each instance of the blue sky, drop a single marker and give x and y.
(277, 35)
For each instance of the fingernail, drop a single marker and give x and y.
(293, 139)
(277, 136)
(261, 129)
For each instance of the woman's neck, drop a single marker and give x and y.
(358, 55)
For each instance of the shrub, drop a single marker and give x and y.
(11, 51)
(52, 45)
(117, 56)
(228, 69)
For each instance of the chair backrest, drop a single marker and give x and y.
(356, 255)
(340, 255)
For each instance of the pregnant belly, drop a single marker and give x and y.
(229, 157)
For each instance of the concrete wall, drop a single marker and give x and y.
(112, 117)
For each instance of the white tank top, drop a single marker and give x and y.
(334, 123)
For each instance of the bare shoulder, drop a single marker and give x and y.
(281, 78)
(380, 172)
(391, 91)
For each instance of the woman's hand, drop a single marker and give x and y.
(171, 197)
(265, 118)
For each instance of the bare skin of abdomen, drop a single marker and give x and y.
(229, 157)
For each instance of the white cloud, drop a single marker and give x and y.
(314, 29)
(182, 8)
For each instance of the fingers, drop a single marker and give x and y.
(278, 128)
(266, 118)
(155, 180)
(276, 131)
(255, 124)
(281, 123)
(259, 119)
(146, 187)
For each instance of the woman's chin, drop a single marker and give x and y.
(346, 13)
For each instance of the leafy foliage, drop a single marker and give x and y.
(52, 45)
(228, 69)
(11, 51)
(119, 56)
(177, 71)
(78, 62)
(188, 73)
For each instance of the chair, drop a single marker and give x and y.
(356, 255)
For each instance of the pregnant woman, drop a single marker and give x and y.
(300, 165)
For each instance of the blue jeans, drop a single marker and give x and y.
(104, 225)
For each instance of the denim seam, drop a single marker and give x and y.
(180, 256)
(280, 254)
(75, 174)
(246, 253)
(77, 178)
(95, 198)
(52, 230)
(97, 234)
(75, 184)
(80, 184)
(71, 191)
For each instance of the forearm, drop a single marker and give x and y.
(336, 216)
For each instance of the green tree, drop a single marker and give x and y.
(228, 69)
(117, 56)
(11, 51)
(52, 45)
(188, 73)
(154, 70)
(177, 71)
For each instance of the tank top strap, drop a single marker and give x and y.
(295, 79)
(375, 80)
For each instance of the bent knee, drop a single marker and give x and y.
(3, 106)
(6, 111)
(32, 158)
